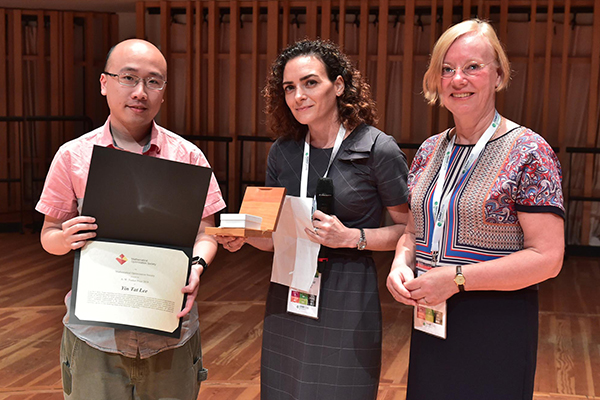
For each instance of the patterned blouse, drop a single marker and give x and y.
(516, 172)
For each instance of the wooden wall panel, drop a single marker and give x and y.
(271, 30)
(592, 128)
(48, 68)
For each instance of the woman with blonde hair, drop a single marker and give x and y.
(486, 226)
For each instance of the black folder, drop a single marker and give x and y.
(144, 200)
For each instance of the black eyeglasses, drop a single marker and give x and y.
(127, 79)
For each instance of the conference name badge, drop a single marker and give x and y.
(305, 303)
(430, 319)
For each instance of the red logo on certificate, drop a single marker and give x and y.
(122, 259)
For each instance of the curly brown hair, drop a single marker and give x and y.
(355, 105)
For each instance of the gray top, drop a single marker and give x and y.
(369, 173)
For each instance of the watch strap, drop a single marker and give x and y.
(197, 260)
(362, 241)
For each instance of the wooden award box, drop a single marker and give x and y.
(265, 202)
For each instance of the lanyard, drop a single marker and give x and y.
(305, 161)
(440, 206)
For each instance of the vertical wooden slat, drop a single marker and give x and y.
(113, 21)
(140, 20)
(467, 9)
(363, 36)
(407, 69)
(17, 64)
(564, 73)
(90, 82)
(382, 62)
(18, 110)
(198, 70)
(481, 9)
(42, 92)
(311, 20)
(444, 115)
(272, 31)
(165, 22)
(56, 97)
(3, 94)
(547, 68)
(41, 102)
(326, 19)
(3, 112)
(446, 14)
(254, 90)
(106, 33)
(285, 25)
(503, 33)
(213, 74)
(114, 31)
(234, 54)
(342, 19)
(189, 64)
(432, 111)
(529, 95)
(592, 127)
(68, 71)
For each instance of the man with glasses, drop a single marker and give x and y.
(101, 363)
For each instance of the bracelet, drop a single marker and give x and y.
(197, 260)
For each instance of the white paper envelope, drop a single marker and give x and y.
(295, 258)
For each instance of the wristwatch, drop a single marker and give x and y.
(459, 279)
(362, 242)
(197, 260)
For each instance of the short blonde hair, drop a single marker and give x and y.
(433, 75)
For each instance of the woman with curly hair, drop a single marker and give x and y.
(314, 95)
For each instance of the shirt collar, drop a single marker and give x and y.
(156, 139)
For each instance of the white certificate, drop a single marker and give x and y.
(129, 284)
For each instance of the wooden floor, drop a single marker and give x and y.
(231, 303)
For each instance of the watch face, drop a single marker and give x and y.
(459, 279)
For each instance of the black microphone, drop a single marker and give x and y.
(325, 195)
